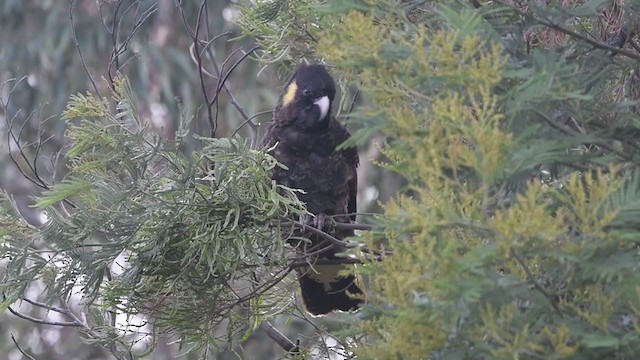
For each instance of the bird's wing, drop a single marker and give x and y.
(352, 208)
(351, 156)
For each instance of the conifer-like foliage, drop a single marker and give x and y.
(151, 239)
(515, 126)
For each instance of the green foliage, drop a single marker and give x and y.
(285, 30)
(189, 242)
(517, 234)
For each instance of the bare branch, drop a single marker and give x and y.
(594, 43)
(114, 44)
(15, 342)
(90, 332)
(346, 261)
(13, 139)
(195, 42)
(43, 322)
(353, 104)
(197, 49)
(45, 306)
(617, 49)
(251, 124)
(306, 228)
(138, 22)
(535, 283)
(570, 131)
(72, 7)
(353, 226)
(234, 102)
(280, 338)
(226, 76)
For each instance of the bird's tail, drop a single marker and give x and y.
(324, 289)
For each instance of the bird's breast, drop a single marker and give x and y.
(324, 179)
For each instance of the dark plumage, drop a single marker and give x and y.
(307, 136)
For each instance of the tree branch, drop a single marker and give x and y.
(72, 7)
(42, 322)
(597, 44)
(289, 346)
(537, 285)
(346, 261)
(555, 26)
(334, 243)
(15, 342)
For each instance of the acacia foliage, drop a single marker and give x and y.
(153, 239)
(515, 126)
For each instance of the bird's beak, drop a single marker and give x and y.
(323, 105)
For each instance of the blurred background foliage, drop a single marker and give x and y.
(39, 58)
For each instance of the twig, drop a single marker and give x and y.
(223, 85)
(248, 121)
(13, 139)
(72, 7)
(334, 241)
(43, 322)
(336, 225)
(195, 37)
(75, 322)
(234, 102)
(259, 290)
(535, 283)
(551, 24)
(594, 43)
(303, 315)
(15, 342)
(116, 51)
(568, 130)
(353, 104)
(353, 226)
(111, 346)
(220, 76)
(114, 44)
(226, 76)
(45, 306)
(346, 261)
(289, 346)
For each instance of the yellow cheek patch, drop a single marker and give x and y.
(290, 94)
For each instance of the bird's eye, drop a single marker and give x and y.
(306, 92)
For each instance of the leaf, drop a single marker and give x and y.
(65, 190)
(592, 341)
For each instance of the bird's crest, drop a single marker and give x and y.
(289, 94)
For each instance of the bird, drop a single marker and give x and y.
(304, 137)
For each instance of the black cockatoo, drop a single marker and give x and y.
(306, 137)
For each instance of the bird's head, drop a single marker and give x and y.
(306, 99)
